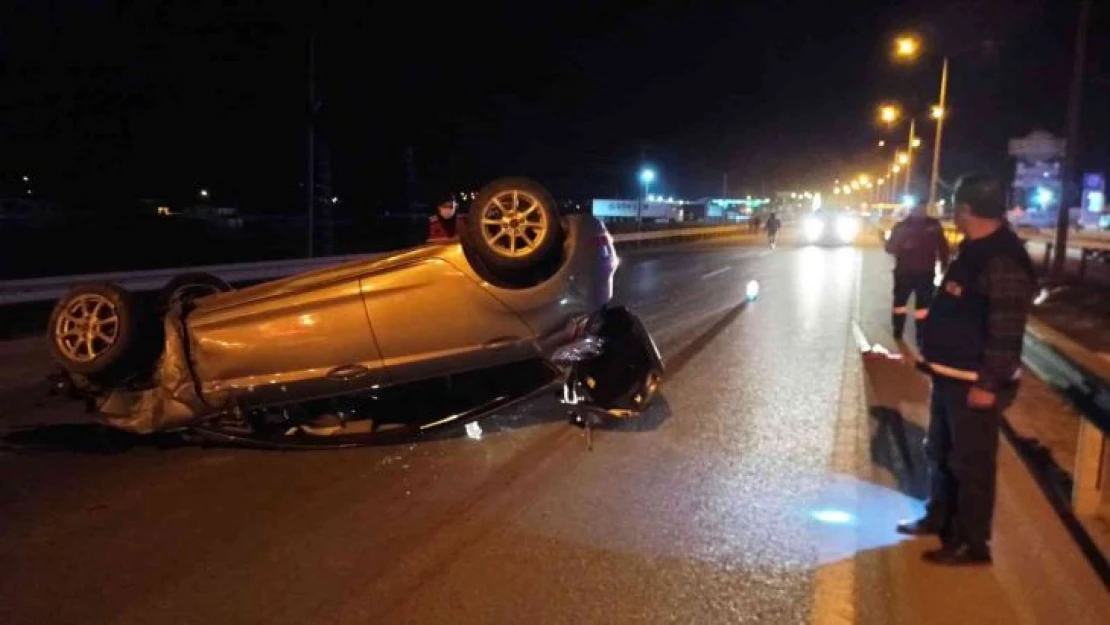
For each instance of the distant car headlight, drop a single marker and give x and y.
(847, 228)
(812, 228)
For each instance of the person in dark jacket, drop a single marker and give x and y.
(773, 227)
(917, 244)
(971, 348)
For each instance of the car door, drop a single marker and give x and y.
(431, 319)
(287, 345)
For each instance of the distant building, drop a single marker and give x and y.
(223, 216)
(1036, 186)
(25, 210)
(651, 210)
(668, 209)
(1093, 210)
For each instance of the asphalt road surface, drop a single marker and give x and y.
(759, 488)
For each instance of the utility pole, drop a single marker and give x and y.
(909, 155)
(1071, 148)
(310, 176)
(942, 112)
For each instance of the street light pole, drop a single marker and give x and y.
(1071, 149)
(909, 155)
(941, 114)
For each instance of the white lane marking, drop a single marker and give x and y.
(715, 272)
(860, 337)
(750, 253)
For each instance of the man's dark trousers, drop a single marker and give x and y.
(918, 284)
(962, 450)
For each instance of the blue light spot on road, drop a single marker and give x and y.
(834, 517)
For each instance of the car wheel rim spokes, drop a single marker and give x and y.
(514, 224)
(87, 328)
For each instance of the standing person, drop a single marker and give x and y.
(773, 226)
(917, 244)
(444, 225)
(972, 350)
(754, 223)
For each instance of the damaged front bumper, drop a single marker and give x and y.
(169, 400)
(619, 368)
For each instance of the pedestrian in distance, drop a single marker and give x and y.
(971, 348)
(773, 227)
(918, 246)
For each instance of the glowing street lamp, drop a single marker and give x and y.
(903, 158)
(907, 47)
(204, 194)
(896, 168)
(889, 113)
(917, 142)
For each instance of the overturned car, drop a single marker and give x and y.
(444, 333)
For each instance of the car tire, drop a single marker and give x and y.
(188, 287)
(94, 329)
(513, 226)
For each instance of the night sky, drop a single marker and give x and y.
(149, 99)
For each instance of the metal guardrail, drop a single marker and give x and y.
(1075, 240)
(1089, 244)
(45, 289)
(1084, 378)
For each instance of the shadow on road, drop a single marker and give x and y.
(898, 445)
(544, 411)
(94, 438)
(677, 362)
(897, 400)
(91, 438)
